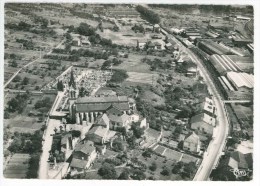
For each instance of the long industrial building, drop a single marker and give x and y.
(211, 47)
(242, 81)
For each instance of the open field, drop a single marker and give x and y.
(142, 77)
(17, 166)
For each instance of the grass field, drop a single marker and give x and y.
(142, 77)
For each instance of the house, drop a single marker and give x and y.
(156, 36)
(98, 134)
(158, 46)
(203, 122)
(83, 156)
(85, 41)
(238, 160)
(156, 28)
(192, 72)
(150, 45)
(206, 107)
(192, 143)
(117, 121)
(141, 44)
(76, 42)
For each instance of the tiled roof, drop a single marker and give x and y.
(99, 131)
(78, 163)
(239, 160)
(203, 118)
(86, 148)
(102, 120)
(114, 110)
(107, 99)
(118, 119)
(193, 138)
(95, 107)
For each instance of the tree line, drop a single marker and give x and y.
(148, 15)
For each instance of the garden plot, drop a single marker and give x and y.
(17, 166)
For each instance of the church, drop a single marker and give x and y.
(86, 110)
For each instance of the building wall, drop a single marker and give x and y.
(92, 157)
(202, 126)
(190, 146)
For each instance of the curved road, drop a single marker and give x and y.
(215, 148)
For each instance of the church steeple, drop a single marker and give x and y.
(72, 81)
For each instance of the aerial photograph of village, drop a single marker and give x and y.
(128, 91)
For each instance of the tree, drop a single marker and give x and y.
(137, 130)
(118, 145)
(60, 86)
(177, 167)
(107, 171)
(153, 167)
(6, 115)
(25, 81)
(119, 76)
(14, 63)
(83, 92)
(147, 153)
(124, 175)
(17, 78)
(165, 171)
(189, 168)
(85, 29)
(148, 14)
(138, 175)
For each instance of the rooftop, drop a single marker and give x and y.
(102, 120)
(99, 131)
(240, 161)
(107, 99)
(85, 147)
(92, 107)
(241, 79)
(193, 138)
(78, 163)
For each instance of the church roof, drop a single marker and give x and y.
(99, 107)
(107, 99)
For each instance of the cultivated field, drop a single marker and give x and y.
(17, 166)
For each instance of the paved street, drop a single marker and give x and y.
(51, 124)
(214, 150)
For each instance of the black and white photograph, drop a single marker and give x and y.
(128, 91)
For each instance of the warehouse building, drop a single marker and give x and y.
(241, 81)
(211, 47)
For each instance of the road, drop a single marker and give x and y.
(215, 148)
(51, 125)
(17, 72)
(220, 133)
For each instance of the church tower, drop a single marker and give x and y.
(73, 92)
